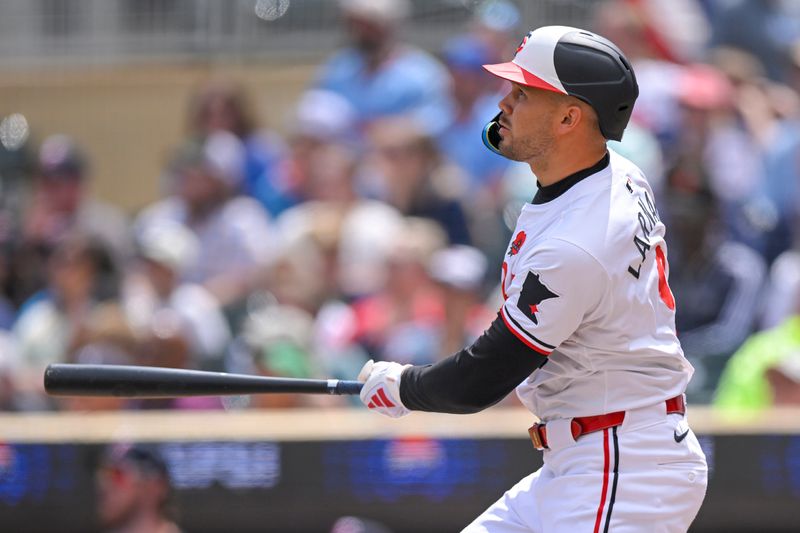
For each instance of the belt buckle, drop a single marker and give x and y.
(536, 437)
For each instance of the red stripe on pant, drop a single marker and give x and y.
(605, 482)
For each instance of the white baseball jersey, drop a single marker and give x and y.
(585, 282)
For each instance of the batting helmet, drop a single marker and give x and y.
(578, 63)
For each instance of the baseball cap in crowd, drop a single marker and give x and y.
(466, 53)
(60, 155)
(168, 243)
(459, 266)
(577, 63)
(704, 87)
(497, 15)
(323, 114)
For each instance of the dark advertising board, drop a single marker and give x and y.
(408, 484)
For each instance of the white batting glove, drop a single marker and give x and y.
(381, 389)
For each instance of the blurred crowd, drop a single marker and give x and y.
(374, 224)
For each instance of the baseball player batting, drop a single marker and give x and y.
(587, 330)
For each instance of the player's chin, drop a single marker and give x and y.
(506, 149)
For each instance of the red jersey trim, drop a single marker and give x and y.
(521, 336)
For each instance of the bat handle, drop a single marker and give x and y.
(341, 386)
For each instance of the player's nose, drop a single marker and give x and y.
(505, 103)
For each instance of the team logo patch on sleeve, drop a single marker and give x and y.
(532, 294)
(517, 243)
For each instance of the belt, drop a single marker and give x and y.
(589, 424)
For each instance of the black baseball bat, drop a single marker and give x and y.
(123, 381)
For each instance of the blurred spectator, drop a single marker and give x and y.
(8, 311)
(276, 340)
(411, 175)
(475, 98)
(778, 108)
(633, 27)
(496, 24)
(769, 113)
(784, 379)
(80, 276)
(776, 210)
(323, 266)
(335, 250)
(718, 152)
(224, 105)
(765, 28)
(154, 285)
(134, 492)
(403, 320)
(105, 338)
(646, 30)
(338, 237)
(782, 295)
(382, 76)
(460, 272)
(763, 372)
(16, 168)
(717, 284)
(235, 238)
(320, 119)
(9, 362)
(305, 274)
(366, 240)
(168, 342)
(61, 205)
(656, 41)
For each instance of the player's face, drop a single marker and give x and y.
(526, 126)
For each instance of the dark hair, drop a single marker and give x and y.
(233, 95)
(100, 257)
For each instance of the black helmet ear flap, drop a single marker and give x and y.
(491, 134)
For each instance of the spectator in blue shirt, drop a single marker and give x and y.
(381, 76)
(475, 99)
(224, 105)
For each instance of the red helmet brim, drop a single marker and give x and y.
(512, 72)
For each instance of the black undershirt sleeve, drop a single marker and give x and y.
(474, 378)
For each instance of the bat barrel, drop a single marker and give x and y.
(151, 382)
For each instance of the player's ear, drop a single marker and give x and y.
(571, 115)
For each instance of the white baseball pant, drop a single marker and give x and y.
(639, 476)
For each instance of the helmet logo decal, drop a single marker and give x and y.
(523, 43)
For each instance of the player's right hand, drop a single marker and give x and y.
(381, 390)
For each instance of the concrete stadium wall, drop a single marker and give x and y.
(128, 119)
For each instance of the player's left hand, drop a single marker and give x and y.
(381, 389)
